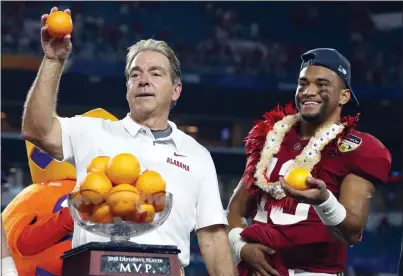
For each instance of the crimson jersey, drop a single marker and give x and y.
(297, 232)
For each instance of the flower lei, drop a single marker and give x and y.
(307, 159)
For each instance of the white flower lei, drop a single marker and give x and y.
(307, 159)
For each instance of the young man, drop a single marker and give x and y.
(308, 231)
(153, 85)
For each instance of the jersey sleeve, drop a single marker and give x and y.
(75, 135)
(209, 208)
(372, 160)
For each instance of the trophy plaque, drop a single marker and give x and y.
(120, 256)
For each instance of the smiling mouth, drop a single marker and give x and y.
(310, 103)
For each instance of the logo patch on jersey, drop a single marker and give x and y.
(349, 143)
(297, 147)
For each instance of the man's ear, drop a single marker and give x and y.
(345, 96)
(177, 91)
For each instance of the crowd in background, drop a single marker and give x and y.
(219, 37)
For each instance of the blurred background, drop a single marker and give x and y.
(239, 59)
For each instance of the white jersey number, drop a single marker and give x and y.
(276, 214)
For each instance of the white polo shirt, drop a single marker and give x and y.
(186, 166)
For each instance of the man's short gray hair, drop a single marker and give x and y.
(155, 46)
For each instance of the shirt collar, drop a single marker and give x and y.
(134, 128)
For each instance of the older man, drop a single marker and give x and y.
(153, 84)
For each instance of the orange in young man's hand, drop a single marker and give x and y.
(99, 164)
(123, 168)
(102, 214)
(59, 24)
(296, 178)
(150, 183)
(123, 200)
(95, 187)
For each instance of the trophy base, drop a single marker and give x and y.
(117, 258)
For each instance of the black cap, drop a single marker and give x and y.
(331, 59)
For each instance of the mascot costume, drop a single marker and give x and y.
(37, 221)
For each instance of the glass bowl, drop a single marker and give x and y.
(119, 227)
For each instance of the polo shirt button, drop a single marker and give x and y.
(144, 131)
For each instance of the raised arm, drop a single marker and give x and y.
(38, 124)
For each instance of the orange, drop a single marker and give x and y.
(95, 187)
(296, 178)
(159, 201)
(98, 164)
(122, 200)
(102, 214)
(145, 213)
(82, 205)
(59, 24)
(123, 168)
(150, 182)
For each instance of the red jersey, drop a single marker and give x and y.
(298, 235)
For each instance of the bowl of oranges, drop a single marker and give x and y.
(116, 200)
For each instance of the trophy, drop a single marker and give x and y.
(120, 256)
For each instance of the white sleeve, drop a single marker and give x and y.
(209, 208)
(74, 133)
